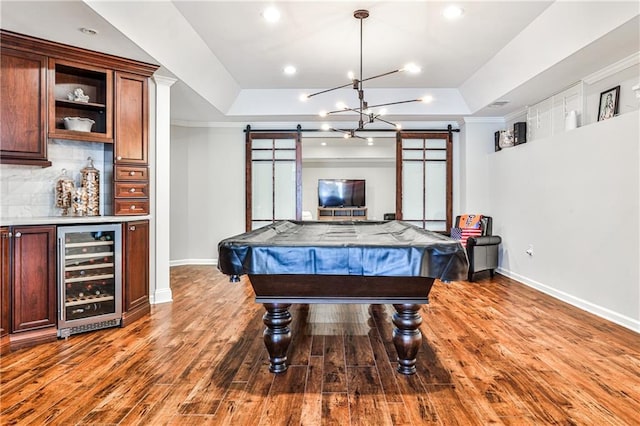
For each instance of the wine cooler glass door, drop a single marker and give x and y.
(90, 279)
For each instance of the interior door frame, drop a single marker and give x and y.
(250, 136)
(448, 137)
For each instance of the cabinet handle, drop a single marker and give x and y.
(132, 208)
(119, 157)
(132, 227)
(18, 234)
(7, 235)
(132, 173)
(132, 190)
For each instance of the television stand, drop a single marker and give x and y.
(342, 213)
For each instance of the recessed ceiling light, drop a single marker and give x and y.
(290, 70)
(453, 12)
(88, 31)
(323, 143)
(271, 14)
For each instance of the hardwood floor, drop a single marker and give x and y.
(494, 352)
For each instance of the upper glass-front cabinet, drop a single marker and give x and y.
(80, 102)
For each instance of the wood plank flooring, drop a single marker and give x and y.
(494, 352)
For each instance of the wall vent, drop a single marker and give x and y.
(498, 104)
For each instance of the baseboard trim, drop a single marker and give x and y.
(602, 312)
(182, 262)
(161, 296)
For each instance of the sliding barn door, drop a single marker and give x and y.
(424, 179)
(273, 178)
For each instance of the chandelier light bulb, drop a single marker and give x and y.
(271, 14)
(323, 113)
(370, 140)
(346, 136)
(290, 70)
(351, 75)
(398, 126)
(411, 68)
(426, 99)
(304, 97)
(341, 105)
(325, 126)
(383, 111)
(452, 12)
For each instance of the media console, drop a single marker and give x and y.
(342, 213)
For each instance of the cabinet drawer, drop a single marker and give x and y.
(131, 190)
(131, 207)
(131, 173)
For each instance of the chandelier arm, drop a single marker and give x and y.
(380, 75)
(395, 103)
(385, 121)
(330, 90)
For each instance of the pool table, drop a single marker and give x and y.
(342, 262)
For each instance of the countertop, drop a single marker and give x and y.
(67, 220)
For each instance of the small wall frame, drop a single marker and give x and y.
(609, 102)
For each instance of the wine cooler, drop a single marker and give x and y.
(89, 278)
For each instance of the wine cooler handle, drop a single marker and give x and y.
(132, 227)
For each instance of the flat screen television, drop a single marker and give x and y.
(341, 193)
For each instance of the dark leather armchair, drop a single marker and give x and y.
(482, 251)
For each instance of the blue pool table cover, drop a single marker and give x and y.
(366, 248)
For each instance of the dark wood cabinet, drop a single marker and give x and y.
(132, 134)
(33, 304)
(65, 77)
(41, 77)
(5, 282)
(135, 281)
(131, 145)
(23, 110)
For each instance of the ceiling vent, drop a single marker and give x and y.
(498, 104)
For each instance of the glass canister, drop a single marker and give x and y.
(65, 191)
(90, 181)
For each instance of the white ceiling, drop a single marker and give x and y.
(229, 60)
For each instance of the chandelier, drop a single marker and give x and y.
(364, 110)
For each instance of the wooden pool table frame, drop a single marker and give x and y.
(278, 292)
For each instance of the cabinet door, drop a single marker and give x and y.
(539, 121)
(563, 102)
(136, 269)
(4, 282)
(34, 278)
(23, 112)
(131, 141)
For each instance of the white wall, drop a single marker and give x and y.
(575, 198)
(207, 191)
(351, 160)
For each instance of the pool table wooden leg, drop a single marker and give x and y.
(277, 335)
(406, 336)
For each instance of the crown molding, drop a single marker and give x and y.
(484, 119)
(610, 70)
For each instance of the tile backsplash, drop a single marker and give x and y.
(28, 191)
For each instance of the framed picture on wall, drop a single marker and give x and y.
(609, 100)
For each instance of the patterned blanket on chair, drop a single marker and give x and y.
(468, 226)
